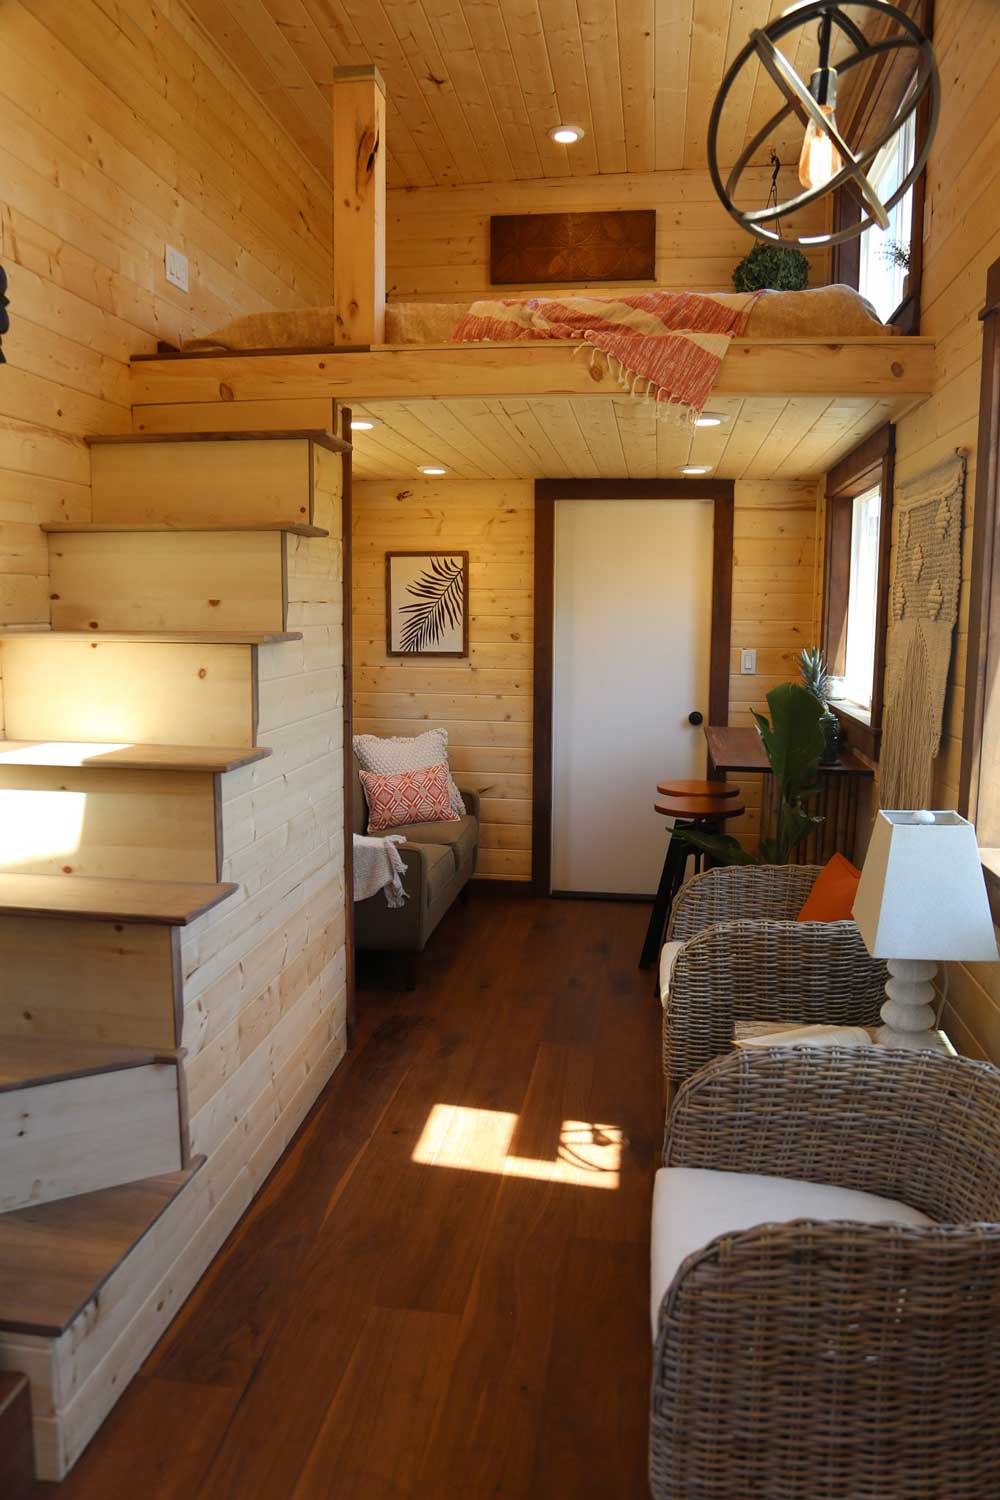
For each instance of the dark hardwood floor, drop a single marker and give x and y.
(380, 1327)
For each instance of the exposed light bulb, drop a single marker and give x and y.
(432, 469)
(820, 160)
(692, 469)
(363, 424)
(708, 419)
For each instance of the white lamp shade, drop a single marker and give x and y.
(922, 892)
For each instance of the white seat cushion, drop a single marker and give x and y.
(668, 957)
(692, 1206)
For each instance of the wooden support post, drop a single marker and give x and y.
(359, 205)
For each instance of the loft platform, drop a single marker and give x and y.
(752, 367)
(790, 408)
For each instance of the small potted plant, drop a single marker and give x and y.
(779, 268)
(816, 681)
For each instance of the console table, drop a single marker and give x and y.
(739, 751)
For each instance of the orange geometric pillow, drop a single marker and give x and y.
(422, 796)
(832, 897)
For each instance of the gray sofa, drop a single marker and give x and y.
(440, 861)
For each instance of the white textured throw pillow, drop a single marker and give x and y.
(410, 752)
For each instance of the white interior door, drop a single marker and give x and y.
(633, 586)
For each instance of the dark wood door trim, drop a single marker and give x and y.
(547, 492)
(347, 530)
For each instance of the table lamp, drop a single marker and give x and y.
(921, 899)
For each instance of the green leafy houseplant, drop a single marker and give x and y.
(779, 268)
(816, 681)
(794, 740)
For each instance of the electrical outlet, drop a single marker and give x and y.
(748, 662)
(176, 267)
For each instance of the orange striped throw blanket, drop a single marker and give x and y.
(664, 345)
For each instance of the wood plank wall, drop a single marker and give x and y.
(485, 703)
(123, 129)
(961, 239)
(438, 247)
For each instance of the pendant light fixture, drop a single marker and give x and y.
(820, 161)
(827, 160)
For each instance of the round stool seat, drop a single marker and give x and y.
(701, 809)
(697, 789)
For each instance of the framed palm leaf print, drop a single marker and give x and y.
(427, 603)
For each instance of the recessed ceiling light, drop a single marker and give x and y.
(364, 424)
(692, 469)
(432, 469)
(709, 419)
(567, 135)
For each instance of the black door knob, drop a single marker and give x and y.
(696, 717)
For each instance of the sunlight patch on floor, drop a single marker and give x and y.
(479, 1140)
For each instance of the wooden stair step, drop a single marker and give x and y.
(78, 1117)
(322, 436)
(152, 527)
(163, 637)
(55, 1257)
(100, 899)
(17, 1450)
(29, 1062)
(86, 754)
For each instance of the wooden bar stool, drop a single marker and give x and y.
(701, 811)
(697, 789)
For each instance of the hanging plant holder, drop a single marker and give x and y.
(813, 104)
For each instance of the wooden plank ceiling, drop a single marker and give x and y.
(474, 88)
(768, 437)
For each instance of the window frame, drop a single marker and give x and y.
(979, 793)
(870, 466)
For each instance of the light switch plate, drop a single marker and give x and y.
(176, 267)
(748, 662)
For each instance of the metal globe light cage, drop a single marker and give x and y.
(762, 46)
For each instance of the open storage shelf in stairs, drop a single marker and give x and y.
(172, 894)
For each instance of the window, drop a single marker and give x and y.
(856, 586)
(855, 686)
(881, 270)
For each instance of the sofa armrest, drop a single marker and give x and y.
(472, 802)
(740, 892)
(765, 971)
(396, 929)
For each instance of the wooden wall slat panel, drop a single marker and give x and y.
(961, 240)
(125, 128)
(438, 240)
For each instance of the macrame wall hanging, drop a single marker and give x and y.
(922, 615)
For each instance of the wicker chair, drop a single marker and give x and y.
(837, 1360)
(746, 958)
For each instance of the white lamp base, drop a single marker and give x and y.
(909, 1013)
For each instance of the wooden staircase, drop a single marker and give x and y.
(138, 808)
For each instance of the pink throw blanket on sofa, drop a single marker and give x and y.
(665, 345)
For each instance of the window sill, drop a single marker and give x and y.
(857, 729)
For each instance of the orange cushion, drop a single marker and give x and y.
(832, 897)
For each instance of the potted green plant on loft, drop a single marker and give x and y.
(794, 741)
(777, 268)
(816, 680)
